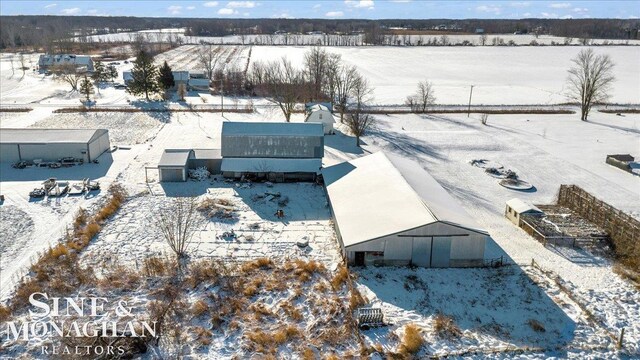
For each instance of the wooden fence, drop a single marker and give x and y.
(623, 229)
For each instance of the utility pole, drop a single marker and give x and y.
(221, 95)
(469, 108)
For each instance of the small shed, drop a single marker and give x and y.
(388, 210)
(173, 165)
(516, 207)
(621, 161)
(209, 158)
(321, 114)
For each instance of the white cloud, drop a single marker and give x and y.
(548, 15)
(520, 4)
(226, 11)
(560, 5)
(174, 9)
(580, 10)
(283, 15)
(527, 14)
(210, 4)
(359, 4)
(317, 6)
(50, 6)
(241, 4)
(191, 7)
(400, 1)
(70, 11)
(334, 14)
(488, 9)
(567, 17)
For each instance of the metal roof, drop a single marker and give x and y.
(207, 154)
(175, 157)
(380, 195)
(271, 165)
(522, 207)
(271, 129)
(47, 136)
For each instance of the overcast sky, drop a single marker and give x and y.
(364, 9)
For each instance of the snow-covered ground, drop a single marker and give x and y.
(500, 75)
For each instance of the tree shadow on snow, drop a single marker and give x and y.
(155, 109)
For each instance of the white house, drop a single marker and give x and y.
(82, 62)
(389, 211)
(321, 114)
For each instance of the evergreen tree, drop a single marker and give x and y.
(145, 77)
(86, 87)
(113, 73)
(166, 77)
(99, 72)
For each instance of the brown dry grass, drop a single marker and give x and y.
(536, 325)
(340, 278)
(202, 336)
(5, 313)
(159, 266)
(261, 263)
(412, 340)
(445, 327)
(199, 308)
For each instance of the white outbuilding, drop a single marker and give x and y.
(319, 113)
(516, 207)
(389, 211)
(31, 144)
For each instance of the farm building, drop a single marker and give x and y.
(320, 114)
(516, 207)
(388, 210)
(198, 84)
(276, 151)
(82, 62)
(52, 144)
(179, 77)
(175, 164)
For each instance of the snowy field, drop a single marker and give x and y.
(500, 75)
(167, 35)
(186, 57)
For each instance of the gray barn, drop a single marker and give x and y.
(388, 210)
(276, 151)
(52, 144)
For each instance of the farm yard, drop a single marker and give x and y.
(549, 301)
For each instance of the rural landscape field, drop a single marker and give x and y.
(307, 187)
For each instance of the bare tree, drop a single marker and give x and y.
(315, 67)
(343, 80)
(177, 222)
(282, 85)
(483, 39)
(590, 80)
(23, 63)
(425, 96)
(208, 59)
(357, 121)
(68, 73)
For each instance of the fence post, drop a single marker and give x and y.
(621, 339)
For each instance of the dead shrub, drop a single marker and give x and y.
(293, 312)
(157, 266)
(121, 278)
(356, 300)
(304, 270)
(308, 354)
(412, 340)
(536, 325)
(260, 263)
(199, 308)
(202, 336)
(286, 334)
(5, 313)
(80, 219)
(203, 271)
(340, 278)
(445, 327)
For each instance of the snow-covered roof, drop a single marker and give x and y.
(383, 194)
(521, 206)
(317, 107)
(207, 154)
(180, 75)
(48, 60)
(271, 165)
(272, 129)
(175, 157)
(44, 136)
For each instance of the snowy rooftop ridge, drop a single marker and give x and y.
(382, 194)
(47, 135)
(272, 129)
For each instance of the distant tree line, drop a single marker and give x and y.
(51, 32)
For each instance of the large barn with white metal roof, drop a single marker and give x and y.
(389, 211)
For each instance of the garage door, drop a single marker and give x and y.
(441, 252)
(171, 175)
(421, 253)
